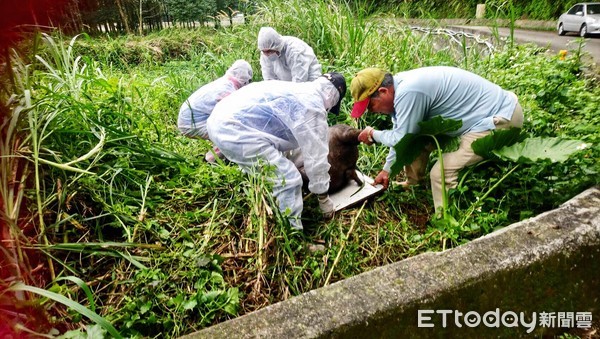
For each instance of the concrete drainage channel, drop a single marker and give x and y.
(536, 277)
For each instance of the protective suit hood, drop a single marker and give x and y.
(240, 71)
(268, 38)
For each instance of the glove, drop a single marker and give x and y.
(326, 205)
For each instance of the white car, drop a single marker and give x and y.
(583, 18)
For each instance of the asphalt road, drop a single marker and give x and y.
(551, 39)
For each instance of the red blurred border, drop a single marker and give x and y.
(22, 16)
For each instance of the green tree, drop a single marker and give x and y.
(190, 11)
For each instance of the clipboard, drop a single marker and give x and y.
(353, 193)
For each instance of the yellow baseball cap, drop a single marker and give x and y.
(363, 85)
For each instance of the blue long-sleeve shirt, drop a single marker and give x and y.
(449, 92)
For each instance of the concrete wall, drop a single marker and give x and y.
(550, 263)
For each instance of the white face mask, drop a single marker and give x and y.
(273, 57)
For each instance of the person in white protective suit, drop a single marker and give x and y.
(286, 58)
(264, 120)
(194, 112)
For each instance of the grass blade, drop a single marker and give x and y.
(69, 303)
(85, 289)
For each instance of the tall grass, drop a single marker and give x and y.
(166, 243)
(13, 177)
(336, 30)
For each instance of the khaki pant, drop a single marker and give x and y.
(455, 161)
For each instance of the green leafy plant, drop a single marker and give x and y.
(504, 145)
(507, 145)
(413, 144)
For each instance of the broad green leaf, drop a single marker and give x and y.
(145, 307)
(541, 149)
(407, 150)
(91, 331)
(216, 278)
(190, 304)
(439, 125)
(178, 300)
(496, 140)
(210, 296)
(95, 331)
(231, 309)
(448, 143)
(411, 145)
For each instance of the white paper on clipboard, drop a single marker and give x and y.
(353, 193)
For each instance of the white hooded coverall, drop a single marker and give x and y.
(296, 62)
(194, 112)
(265, 119)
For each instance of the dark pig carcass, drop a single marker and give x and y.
(343, 155)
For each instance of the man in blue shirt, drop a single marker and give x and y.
(421, 94)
